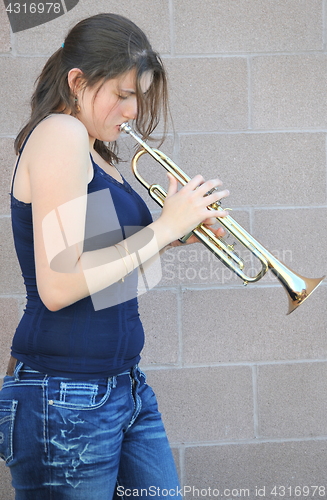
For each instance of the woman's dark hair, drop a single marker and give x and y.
(103, 46)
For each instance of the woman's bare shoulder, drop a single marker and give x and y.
(55, 138)
(57, 155)
(60, 125)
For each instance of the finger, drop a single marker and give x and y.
(194, 183)
(209, 187)
(218, 213)
(216, 196)
(210, 221)
(220, 232)
(173, 185)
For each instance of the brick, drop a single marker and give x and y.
(177, 458)
(5, 43)
(183, 397)
(289, 390)
(159, 315)
(52, 34)
(7, 160)
(208, 94)
(11, 277)
(18, 76)
(242, 26)
(296, 236)
(260, 169)
(9, 308)
(289, 92)
(6, 490)
(250, 325)
(152, 14)
(256, 466)
(46, 38)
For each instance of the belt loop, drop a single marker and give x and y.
(17, 369)
(114, 381)
(134, 371)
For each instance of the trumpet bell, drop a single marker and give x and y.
(299, 289)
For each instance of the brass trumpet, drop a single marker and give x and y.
(298, 288)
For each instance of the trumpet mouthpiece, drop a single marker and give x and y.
(125, 127)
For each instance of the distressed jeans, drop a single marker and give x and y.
(66, 439)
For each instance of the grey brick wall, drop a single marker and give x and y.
(242, 387)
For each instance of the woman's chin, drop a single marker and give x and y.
(112, 135)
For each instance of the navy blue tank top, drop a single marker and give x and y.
(98, 336)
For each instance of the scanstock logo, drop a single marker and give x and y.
(26, 14)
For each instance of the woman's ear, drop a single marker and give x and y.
(75, 79)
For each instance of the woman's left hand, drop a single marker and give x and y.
(219, 233)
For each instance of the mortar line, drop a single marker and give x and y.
(249, 209)
(13, 51)
(255, 131)
(238, 286)
(324, 25)
(250, 93)
(14, 295)
(182, 462)
(251, 212)
(248, 364)
(15, 55)
(198, 287)
(176, 133)
(237, 442)
(176, 150)
(180, 326)
(172, 27)
(255, 401)
(239, 132)
(225, 55)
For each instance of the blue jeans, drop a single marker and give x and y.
(65, 439)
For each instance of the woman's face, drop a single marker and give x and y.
(103, 111)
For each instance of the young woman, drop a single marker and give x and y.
(77, 419)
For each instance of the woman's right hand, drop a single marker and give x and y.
(186, 208)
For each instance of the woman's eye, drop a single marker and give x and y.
(122, 97)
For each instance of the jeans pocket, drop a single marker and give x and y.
(7, 419)
(78, 395)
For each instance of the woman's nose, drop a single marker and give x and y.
(130, 111)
